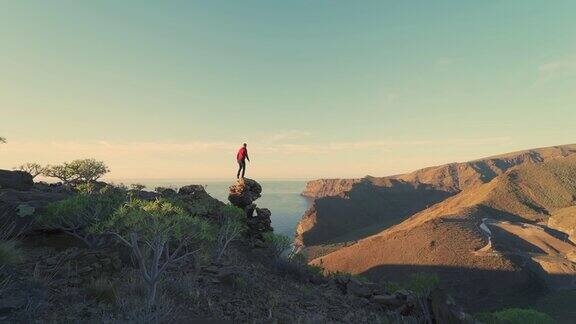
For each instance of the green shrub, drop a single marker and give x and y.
(76, 215)
(159, 234)
(422, 283)
(515, 316)
(277, 243)
(86, 188)
(392, 286)
(232, 222)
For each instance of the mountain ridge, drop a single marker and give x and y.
(321, 224)
(516, 225)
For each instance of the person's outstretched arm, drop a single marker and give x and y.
(247, 158)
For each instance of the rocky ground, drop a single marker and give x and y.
(59, 280)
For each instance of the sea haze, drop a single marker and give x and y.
(282, 197)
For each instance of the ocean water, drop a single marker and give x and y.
(281, 197)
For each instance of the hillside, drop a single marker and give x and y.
(347, 210)
(173, 256)
(490, 243)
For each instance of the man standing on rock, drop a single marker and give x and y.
(241, 157)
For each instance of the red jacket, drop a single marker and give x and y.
(242, 154)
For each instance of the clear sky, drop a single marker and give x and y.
(170, 89)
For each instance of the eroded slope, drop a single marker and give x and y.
(489, 243)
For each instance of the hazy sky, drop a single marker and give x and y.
(170, 89)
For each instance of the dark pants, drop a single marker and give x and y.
(241, 167)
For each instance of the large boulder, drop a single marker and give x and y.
(18, 180)
(244, 192)
(19, 209)
(194, 191)
(198, 202)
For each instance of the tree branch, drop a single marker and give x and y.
(122, 240)
(138, 254)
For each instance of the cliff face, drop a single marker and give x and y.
(350, 209)
(328, 187)
(365, 209)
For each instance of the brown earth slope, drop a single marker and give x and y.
(490, 243)
(345, 210)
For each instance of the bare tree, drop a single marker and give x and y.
(88, 170)
(85, 170)
(232, 225)
(61, 172)
(159, 235)
(75, 215)
(34, 169)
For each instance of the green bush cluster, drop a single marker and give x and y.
(421, 283)
(277, 243)
(79, 214)
(515, 316)
(159, 234)
(158, 217)
(233, 224)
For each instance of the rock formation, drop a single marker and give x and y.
(21, 200)
(18, 180)
(242, 194)
(197, 201)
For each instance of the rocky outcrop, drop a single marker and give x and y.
(328, 187)
(18, 180)
(198, 202)
(369, 206)
(242, 194)
(166, 192)
(21, 200)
